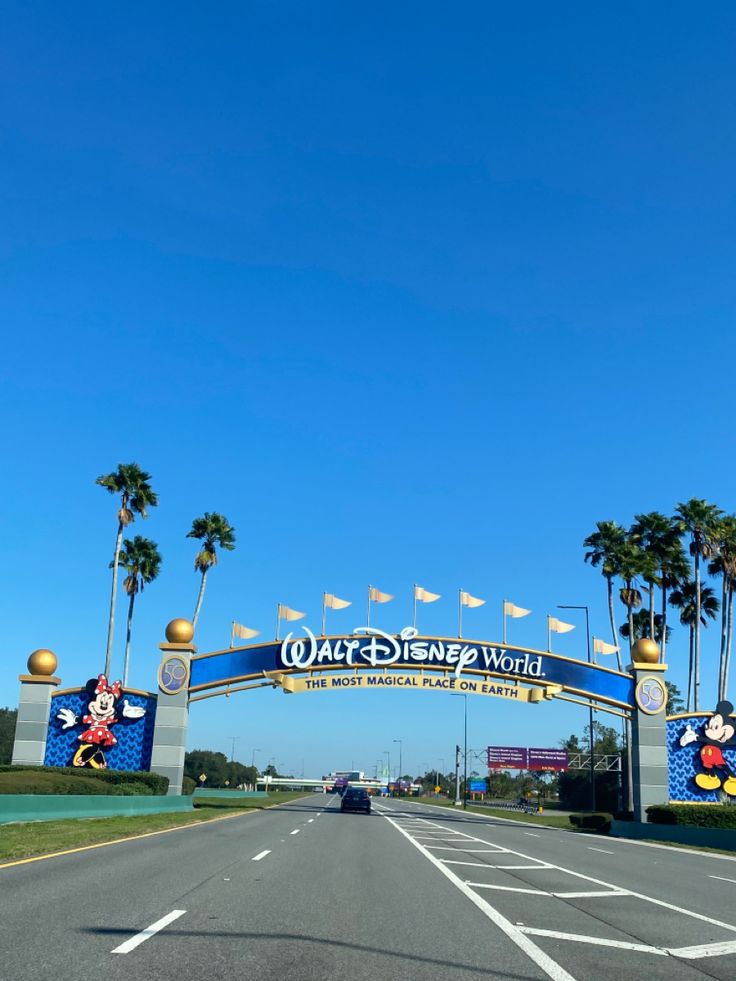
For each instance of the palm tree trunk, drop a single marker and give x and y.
(200, 597)
(612, 615)
(724, 628)
(696, 653)
(727, 665)
(630, 618)
(663, 643)
(690, 673)
(111, 621)
(127, 640)
(651, 610)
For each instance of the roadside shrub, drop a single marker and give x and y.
(598, 822)
(694, 815)
(82, 780)
(188, 786)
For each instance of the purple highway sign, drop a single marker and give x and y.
(548, 759)
(507, 758)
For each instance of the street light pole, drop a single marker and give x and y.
(401, 750)
(563, 606)
(253, 757)
(464, 696)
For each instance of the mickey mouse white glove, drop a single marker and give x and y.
(688, 736)
(67, 717)
(132, 711)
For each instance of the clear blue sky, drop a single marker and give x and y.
(409, 293)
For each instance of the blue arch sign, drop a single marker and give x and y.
(370, 648)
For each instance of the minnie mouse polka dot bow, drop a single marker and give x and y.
(102, 685)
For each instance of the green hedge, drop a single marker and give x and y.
(79, 780)
(592, 822)
(694, 815)
(188, 786)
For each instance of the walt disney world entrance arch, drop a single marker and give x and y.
(372, 659)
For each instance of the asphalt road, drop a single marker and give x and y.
(304, 892)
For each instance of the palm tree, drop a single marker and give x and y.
(696, 608)
(141, 559)
(642, 625)
(213, 530)
(605, 545)
(136, 494)
(697, 518)
(724, 564)
(632, 563)
(659, 536)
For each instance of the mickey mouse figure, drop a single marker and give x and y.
(103, 712)
(718, 731)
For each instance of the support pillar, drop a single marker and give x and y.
(648, 729)
(172, 710)
(34, 708)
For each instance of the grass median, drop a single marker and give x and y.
(34, 838)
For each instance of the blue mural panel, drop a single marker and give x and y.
(375, 649)
(699, 759)
(134, 736)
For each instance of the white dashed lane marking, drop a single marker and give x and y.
(260, 855)
(295, 831)
(138, 939)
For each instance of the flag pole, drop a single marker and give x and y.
(324, 612)
(414, 614)
(594, 660)
(278, 620)
(232, 634)
(504, 621)
(368, 618)
(460, 613)
(549, 636)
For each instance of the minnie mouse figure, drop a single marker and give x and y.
(103, 712)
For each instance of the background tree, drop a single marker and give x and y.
(8, 718)
(688, 600)
(141, 559)
(675, 701)
(214, 531)
(215, 765)
(136, 495)
(604, 550)
(698, 519)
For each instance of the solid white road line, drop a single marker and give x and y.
(550, 967)
(138, 939)
(475, 865)
(704, 950)
(605, 852)
(592, 895)
(599, 941)
(488, 885)
(294, 832)
(722, 878)
(260, 855)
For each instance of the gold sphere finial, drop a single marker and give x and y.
(179, 631)
(42, 662)
(645, 651)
